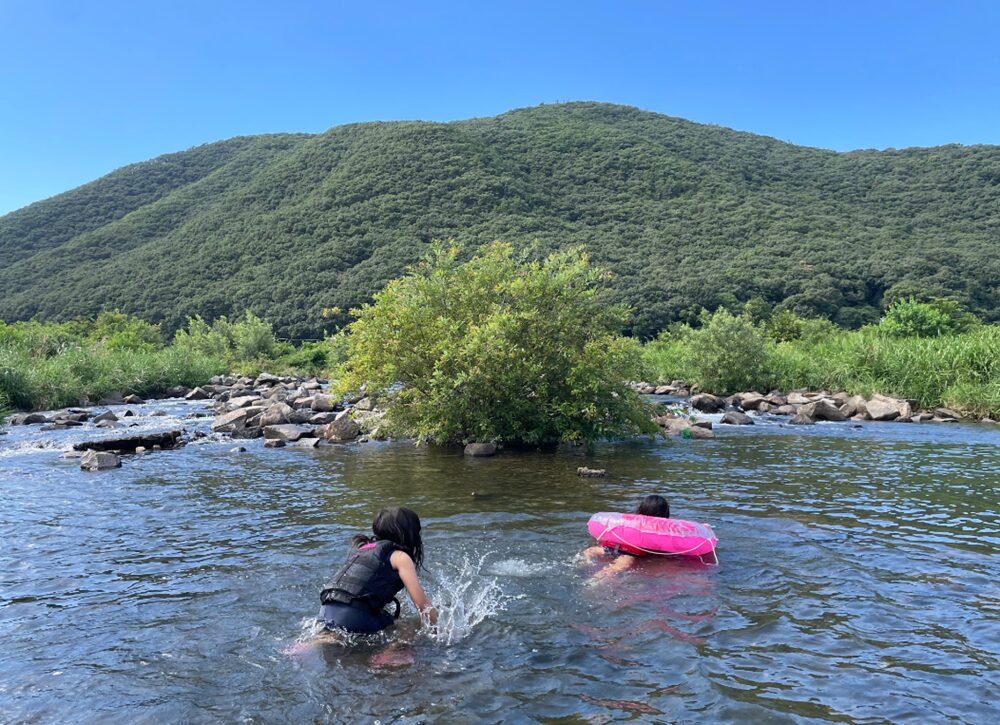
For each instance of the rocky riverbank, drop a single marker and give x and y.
(802, 407)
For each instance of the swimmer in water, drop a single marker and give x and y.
(377, 569)
(652, 505)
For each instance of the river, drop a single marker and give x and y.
(857, 581)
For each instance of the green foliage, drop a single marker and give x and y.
(910, 318)
(727, 355)
(498, 348)
(118, 331)
(687, 217)
(247, 340)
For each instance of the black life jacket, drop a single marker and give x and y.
(367, 578)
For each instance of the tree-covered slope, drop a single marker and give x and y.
(685, 214)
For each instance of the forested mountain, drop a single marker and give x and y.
(686, 215)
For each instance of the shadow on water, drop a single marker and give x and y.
(857, 582)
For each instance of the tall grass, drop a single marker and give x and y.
(78, 373)
(960, 371)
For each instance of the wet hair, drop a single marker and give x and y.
(654, 505)
(399, 525)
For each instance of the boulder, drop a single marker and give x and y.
(274, 443)
(364, 404)
(480, 450)
(198, 394)
(707, 403)
(797, 398)
(922, 417)
(32, 419)
(882, 407)
(946, 413)
(305, 443)
(322, 418)
(823, 409)
(277, 414)
(231, 421)
(786, 409)
(301, 416)
(801, 419)
(133, 400)
(300, 402)
(682, 427)
(706, 424)
(265, 379)
(99, 461)
(735, 417)
(176, 391)
(341, 428)
(765, 407)
(248, 432)
(106, 416)
(287, 432)
(242, 401)
(776, 399)
(750, 401)
(854, 405)
(108, 424)
(111, 399)
(664, 389)
(322, 403)
(167, 439)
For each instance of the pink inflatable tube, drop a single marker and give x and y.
(641, 535)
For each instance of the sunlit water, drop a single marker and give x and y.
(858, 581)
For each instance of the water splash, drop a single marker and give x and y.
(520, 568)
(464, 599)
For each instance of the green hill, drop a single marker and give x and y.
(685, 214)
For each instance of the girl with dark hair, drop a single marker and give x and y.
(377, 569)
(651, 505)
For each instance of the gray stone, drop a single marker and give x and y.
(266, 379)
(479, 450)
(301, 416)
(823, 409)
(776, 399)
(750, 401)
(105, 416)
(177, 391)
(707, 403)
(230, 422)
(198, 394)
(167, 439)
(247, 433)
(140, 450)
(591, 472)
(342, 428)
(274, 443)
(882, 407)
(242, 401)
(786, 409)
(238, 449)
(108, 424)
(706, 424)
(801, 419)
(664, 389)
(287, 432)
(277, 414)
(735, 417)
(99, 461)
(322, 418)
(322, 403)
(133, 400)
(305, 443)
(946, 413)
(33, 419)
(797, 398)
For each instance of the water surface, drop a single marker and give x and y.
(857, 581)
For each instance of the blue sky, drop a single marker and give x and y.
(88, 87)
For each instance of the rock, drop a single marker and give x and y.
(922, 417)
(242, 401)
(776, 399)
(32, 419)
(67, 423)
(988, 421)
(698, 433)
(750, 401)
(277, 414)
(108, 424)
(238, 449)
(683, 428)
(707, 403)
(139, 450)
(106, 416)
(274, 443)
(177, 391)
(735, 417)
(99, 461)
(128, 414)
(706, 424)
(133, 400)
(266, 379)
(882, 407)
(342, 428)
(111, 399)
(663, 389)
(854, 405)
(765, 407)
(230, 422)
(247, 433)
(168, 439)
(822, 409)
(786, 409)
(301, 416)
(301, 402)
(198, 394)
(364, 404)
(287, 432)
(322, 403)
(158, 413)
(797, 398)
(591, 472)
(945, 420)
(480, 450)
(801, 419)
(322, 418)
(305, 443)
(946, 413)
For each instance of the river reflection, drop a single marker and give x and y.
(856, 582)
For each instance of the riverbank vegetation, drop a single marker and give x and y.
(931, 352)
(498, 349)
(53, 365)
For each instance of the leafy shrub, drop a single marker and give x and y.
(727, 355)
(909, 318)
(118, 331)
(498, 349)
(246, 340)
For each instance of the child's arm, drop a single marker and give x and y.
(403, 565)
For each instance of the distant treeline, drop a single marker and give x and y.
(298, 229)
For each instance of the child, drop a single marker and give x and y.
(652, 505)
(377, 569)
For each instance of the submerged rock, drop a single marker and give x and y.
(288, 432)
(707, 403)
(342, 428)
(823, 410)
(480, 450)
(735, 417)
(801, 419)
(591, 472)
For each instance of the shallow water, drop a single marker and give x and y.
(857, 581)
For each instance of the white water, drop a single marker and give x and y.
(464, 598)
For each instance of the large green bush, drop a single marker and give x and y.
(726, 355)
(498, 349)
